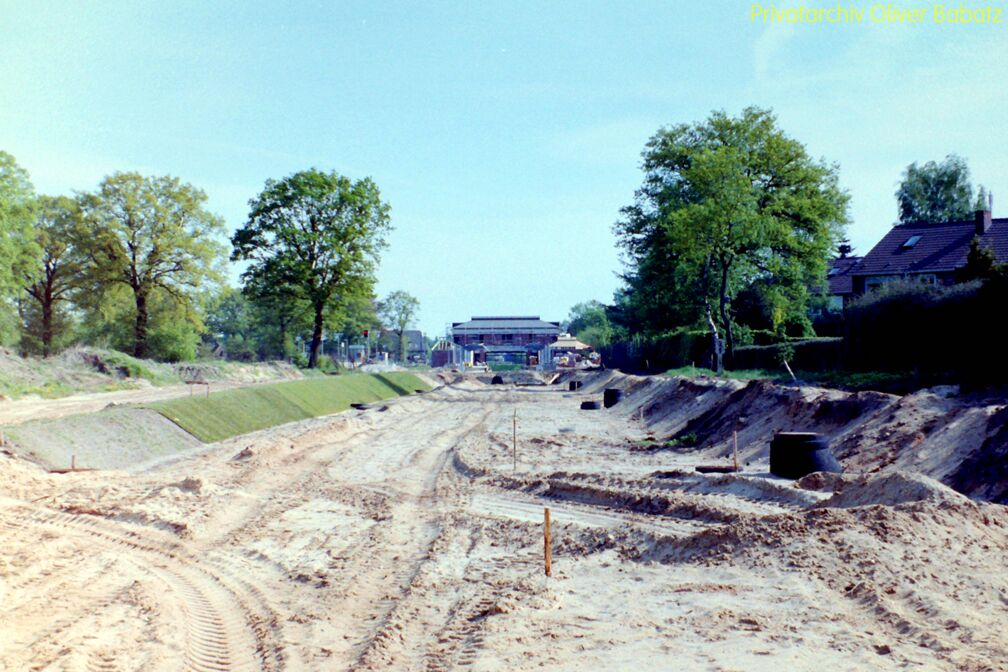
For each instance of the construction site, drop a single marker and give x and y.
(408, 533)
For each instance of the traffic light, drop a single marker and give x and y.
(365, 332)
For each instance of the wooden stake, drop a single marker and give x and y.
(547, 543)
(735, 442)
(514, 439)
(73, 462)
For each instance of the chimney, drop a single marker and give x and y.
(983, 221)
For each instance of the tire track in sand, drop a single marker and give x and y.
(393, 556)
(226, 627)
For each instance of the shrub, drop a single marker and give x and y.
(814, 354)
(671, 350)
(173, 342)
(936, 332)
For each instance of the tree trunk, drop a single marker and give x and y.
(282, 324)
(140, 329)
(316, 340)
(402, 346)
(715, 341)
(723, 299)
(47, 322)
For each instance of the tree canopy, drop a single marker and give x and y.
(51, 281)
(398, 310)
(589, 322)
(724, 203)
(152, 235)
(17, 210)
(317, 233)
(935, 192)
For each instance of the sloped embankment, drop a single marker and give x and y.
(240, 411)
(110, 439)
(123, 436)
(960, 440)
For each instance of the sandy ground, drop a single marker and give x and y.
(408, 539)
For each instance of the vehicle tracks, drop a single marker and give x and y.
(227, 627)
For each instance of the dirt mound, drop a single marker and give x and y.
(23, 376)
(960, 441)
(891, 489)
(237, 372)
(984, 474)
(762, 408)
(822, 481)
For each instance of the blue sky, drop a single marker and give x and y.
(506, 136)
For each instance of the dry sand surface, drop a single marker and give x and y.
(406, 539)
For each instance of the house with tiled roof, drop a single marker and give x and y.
(930, 253)
(840, 283)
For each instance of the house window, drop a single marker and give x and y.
(507, 338)
(927, 278)
(872, 284)
(911, 241)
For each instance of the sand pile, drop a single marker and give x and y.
(927, 578)
(21, 479)
(890, 490)
(960, 440)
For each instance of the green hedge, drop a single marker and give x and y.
(814, 354)
(233, 412)
(936, 333)
(672, 350)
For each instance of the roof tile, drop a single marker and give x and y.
(942, 247)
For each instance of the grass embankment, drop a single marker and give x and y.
(844, 380)
(233, 412)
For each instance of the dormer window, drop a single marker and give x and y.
(910, 242)
(833, 271)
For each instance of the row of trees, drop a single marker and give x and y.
(139, 264)
(734, 227)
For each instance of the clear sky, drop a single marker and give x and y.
(505, 135)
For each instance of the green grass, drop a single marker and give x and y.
(233, 412)
(741, 374)
(854, 381)
(138, 368)
(52, 389)
(861, 380)
(504, 366)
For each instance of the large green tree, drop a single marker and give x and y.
(154, 236)
(589, 322)
(726, 202)
(50, 283)
(935, 192)
(352, 317)
(398, 310)
(17, 241)
(279, 312)
(318, 233)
